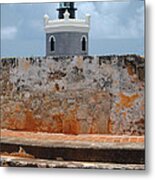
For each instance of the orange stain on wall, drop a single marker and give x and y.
(127, 101)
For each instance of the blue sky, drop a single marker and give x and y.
(116, 27)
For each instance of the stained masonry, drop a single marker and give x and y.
(73, 95)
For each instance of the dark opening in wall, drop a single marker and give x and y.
(83, 44)
(52, 43)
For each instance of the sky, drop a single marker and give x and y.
(117, 27)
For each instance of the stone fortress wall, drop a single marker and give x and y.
(73, 95)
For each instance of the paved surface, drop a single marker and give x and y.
(40, 163)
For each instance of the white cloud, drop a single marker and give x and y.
(115, 20)
(8, 33)
(136, 24)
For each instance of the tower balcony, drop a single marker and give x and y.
(67, 24)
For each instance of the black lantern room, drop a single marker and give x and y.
(66, 6)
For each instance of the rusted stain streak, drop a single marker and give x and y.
(70, 123)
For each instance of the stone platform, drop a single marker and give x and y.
(74, 151)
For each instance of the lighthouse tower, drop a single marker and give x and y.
(66, 36)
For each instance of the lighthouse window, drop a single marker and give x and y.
(52, 43)
(83, 43)
(67, 4)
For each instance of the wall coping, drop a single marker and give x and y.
(66, 24)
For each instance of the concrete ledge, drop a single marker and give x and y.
(40, 163)
(73, 144)
(87, 148)
(89, 141)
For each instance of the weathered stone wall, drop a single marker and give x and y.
(73, 94)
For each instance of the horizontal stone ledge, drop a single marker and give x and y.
(96, 141)
(40, 163)
(73, 147)
(73, 144)
(123, 156)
